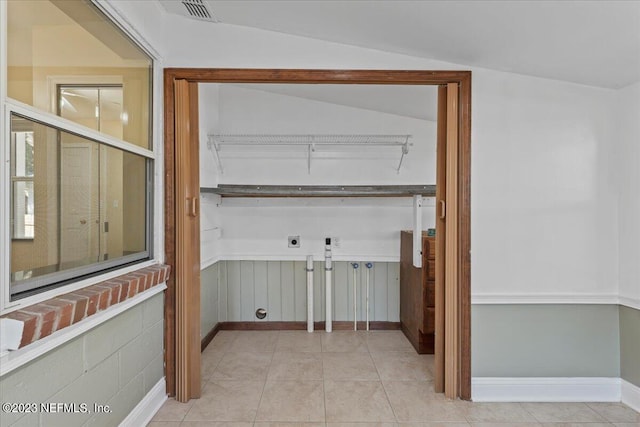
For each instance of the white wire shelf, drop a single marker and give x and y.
(217, 143)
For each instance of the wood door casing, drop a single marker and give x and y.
(187, 263)
(299, 76)
(441, 188)
(451, 343)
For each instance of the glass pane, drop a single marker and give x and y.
(83, 209)
(22, 212)
(96, 107)
(54, 43)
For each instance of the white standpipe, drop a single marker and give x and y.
(368, 265)
(417, 231)
(327, 271)
(355, 296)
(310, 293)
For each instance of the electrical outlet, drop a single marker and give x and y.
(336, 242)
(294, 241)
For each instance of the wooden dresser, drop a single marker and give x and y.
(417, 292)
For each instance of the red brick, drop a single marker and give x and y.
(80, 306)
(133, 287)
(156, 275)
(93, 298)
(143, 281)
(124, 287)
(64, 314)
(115, 291)
(104, 295)
(30, 325)
(46, 318)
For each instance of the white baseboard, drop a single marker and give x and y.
(148, 406)
(630, 395)
(485, 389)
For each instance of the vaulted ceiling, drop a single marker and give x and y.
(594, 43)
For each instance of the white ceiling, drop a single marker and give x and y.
(590, 42)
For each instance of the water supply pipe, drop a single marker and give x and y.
(369, 266)
(310, 293)
(327, 271)
(355, 296)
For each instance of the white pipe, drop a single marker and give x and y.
(417, 231)
(327, 271)
(369, 265)
(310, 293)
(355, 296)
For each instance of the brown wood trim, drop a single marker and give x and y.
(302, 326)
(417, 77)
(441, 191)
(187, 268)
(464, 233)
(300, 76)
(169, 236)
(210, 336)
(451, 285)
(258, 75)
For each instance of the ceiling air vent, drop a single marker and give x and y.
(195, 9)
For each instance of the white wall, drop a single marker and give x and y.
(248, 111)
(542, 193)
(628, 175)
(258, 229)
(544, 210)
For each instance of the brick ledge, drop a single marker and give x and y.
(43, 319)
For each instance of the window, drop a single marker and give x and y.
(81, 167)
(22, 184)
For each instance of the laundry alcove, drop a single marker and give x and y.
(249, 232)
(339, 162)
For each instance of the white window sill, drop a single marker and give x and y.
(15, 359)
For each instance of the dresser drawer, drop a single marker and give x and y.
(429, 320)
(430, 294)
(430, 272)
(429, 248)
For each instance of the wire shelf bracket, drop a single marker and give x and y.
(216, 142)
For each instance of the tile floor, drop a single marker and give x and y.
(359, 379)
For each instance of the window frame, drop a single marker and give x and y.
(16, 178)
(153, 159)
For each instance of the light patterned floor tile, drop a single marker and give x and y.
(296, 366)
(285, 424)
(402, 366)
(562, 412)
(352, 401)
(344, 341)
(214, 424)
(359, 424)
(222, 341)
(387, 341)
(300, 401)
(209, 362)
(497, 413)
(243, 366)
(254, 342)
(227, 401)
(299, 341)
(164, 424)
(436, 424)
(172, 410)
(349, 366)
(616, 412)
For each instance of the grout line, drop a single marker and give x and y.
(393, 411)
(266, 377)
